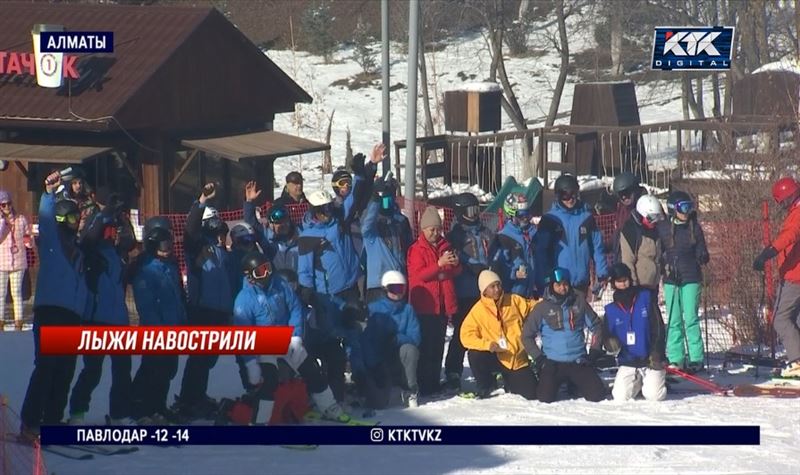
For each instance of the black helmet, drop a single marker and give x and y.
(158, 239)
(567, 184)
(66, 208)
(256, 266)
(157, 222)
(625, 181)
(466, 207)
(385, 186)
(619, 271)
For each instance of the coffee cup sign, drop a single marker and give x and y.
(48, 65)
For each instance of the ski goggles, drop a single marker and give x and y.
(651, 219)
(397, 289)
(559, 274)
(472, 212)
(5, 204)
(68, 218)
(278, 215)
(567, 195)
(683, 207)
(625, 194)
(165, 246)
(387, 202)
(261, 272)
(246, 239)
(342, 182)
(325, 210)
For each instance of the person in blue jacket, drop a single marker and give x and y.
(471, 241)
(243, 242)
(389, 345)
(560, 320)
(210, 297)
(513, 249)
(278, 240)
(160, 301)
(266, 299)
(328, 272)
(568, 237)
(106, 239)
(387, 236)
(635, 331)
(62, 298)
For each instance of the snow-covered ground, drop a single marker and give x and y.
(778, 418)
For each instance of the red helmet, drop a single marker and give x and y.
(784, 189)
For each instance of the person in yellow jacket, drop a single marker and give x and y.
(492, 334)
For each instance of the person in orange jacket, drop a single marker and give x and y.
(786, 247)
(492, 332)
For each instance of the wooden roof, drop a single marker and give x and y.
(268, 144)
(48, 153)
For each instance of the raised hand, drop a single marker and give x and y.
(251, 191)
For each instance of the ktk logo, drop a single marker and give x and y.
(692, 48)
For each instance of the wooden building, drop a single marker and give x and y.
(184, 99)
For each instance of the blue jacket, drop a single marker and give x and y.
(273, 305)
(512, 248)
(208, 265)
(472, 243)
(561, 322)
(641, 317)
(282, 252)
(386, 242)
(158, 292)
(390, 325)
(61, 281)
(327, 262)
(569, 238)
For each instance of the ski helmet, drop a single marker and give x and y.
(516, 205)
(278, 214)
(157, 222)
(319, 198)
(256, 266)
(558, 274)
(679, 201)
(243, 233)
(619, 271)
(625, 181)
(566, 184)
(385, 189)
(66, 211)
(210, 212)
(159, 239)
(785, 191)
(393, 277)
(649, 208)
(466, 207)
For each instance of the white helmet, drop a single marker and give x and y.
(319, 198)
(649, 208)
(393, 277)
(209, 212)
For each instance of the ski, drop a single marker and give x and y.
(102, 450)
(67, 452)
(754, 390)
(314, 416)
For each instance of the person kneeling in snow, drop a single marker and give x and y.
(492, 332)
(268, 300)
(560, 319)
(636, 332)
(389, 344)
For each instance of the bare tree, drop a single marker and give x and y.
(327, 163)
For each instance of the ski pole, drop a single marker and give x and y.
(709, 385)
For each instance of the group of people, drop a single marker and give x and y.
(362, 292)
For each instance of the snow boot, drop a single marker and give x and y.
(328, 407)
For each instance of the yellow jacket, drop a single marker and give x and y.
(481, 327)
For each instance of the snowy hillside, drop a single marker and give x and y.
(777, 454)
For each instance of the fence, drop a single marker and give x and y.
(17, 458)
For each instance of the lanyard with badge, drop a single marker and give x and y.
(631, 335)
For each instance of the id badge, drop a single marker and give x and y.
(631, 338)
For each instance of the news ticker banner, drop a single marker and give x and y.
(402, 435)
(184, 340)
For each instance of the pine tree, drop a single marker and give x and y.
(362, 53)
(317, 22)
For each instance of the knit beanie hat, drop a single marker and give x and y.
(430, 218)
(487, 278)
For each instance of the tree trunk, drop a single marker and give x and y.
(616, 40)
(760, 16)
(562, 72)
(715, 110)
(797, 26)
(701, 111)
(327, 163)
(426, 100)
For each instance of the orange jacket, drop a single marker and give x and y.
(487, 321)
(787, 243)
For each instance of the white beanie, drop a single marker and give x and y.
(487, 278)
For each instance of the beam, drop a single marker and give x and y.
(183, 168)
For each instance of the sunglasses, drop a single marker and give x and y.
(342, 182)
(397, 289)
(566, 195)
(6, 204)
(683, 207)
(261, 272)
(625, 194)
(278, 215)
(70, 218)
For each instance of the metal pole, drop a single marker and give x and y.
(411, 118)
(387, 161)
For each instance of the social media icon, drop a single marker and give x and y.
(376, 434)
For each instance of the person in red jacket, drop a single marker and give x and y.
(432, 265)
(786, 246)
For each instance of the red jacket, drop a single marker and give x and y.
(431, 288)
(787, 243)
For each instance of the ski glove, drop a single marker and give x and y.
(297, 352)
(767, 254)
(253, 372)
